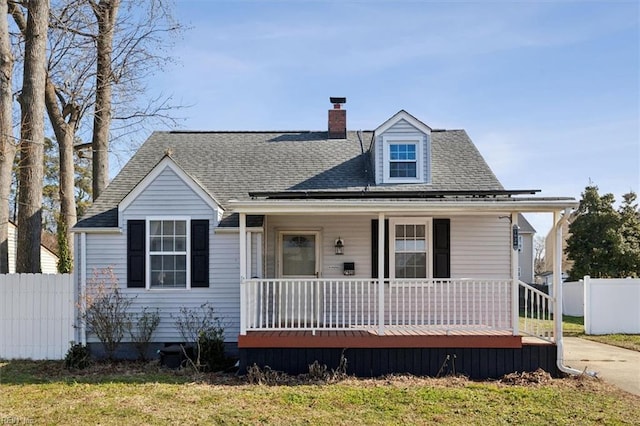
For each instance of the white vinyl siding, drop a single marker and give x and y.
(480, 247)
(168, 195)
(48, 260)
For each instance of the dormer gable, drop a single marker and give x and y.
(402, 150)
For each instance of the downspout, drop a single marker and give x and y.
(83, 287)
(557, 288)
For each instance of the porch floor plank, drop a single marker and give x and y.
(394, 337)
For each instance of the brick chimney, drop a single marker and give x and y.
(337, 119)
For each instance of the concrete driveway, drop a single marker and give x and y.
(617, 366)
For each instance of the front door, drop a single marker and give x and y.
(299, 265)
(299, 254)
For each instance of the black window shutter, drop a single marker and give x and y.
(374, 248)
(441, 248)
(136, 253)
(199, 253)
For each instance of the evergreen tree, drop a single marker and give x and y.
(595, 241)
(629, 262)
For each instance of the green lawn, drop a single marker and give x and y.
(43, 392)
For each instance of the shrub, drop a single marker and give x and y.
(143, 327)
(105, 310)
(77, 357)
(203, 329)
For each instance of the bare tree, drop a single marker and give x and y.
(106, 12)
(7, 144)
(32, 107)
(538, 255)
(74, 85)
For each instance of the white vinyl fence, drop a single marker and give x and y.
(611, 305)
(573, 298)
(37, 313)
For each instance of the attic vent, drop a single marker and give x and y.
(337, 119)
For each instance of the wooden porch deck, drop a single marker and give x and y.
(400, 337)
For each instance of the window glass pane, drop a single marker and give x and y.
(155, 227)
(167, 244)
(299, 255)
(167, 227)
(181, 227)
(181, 279)
(400, 245)
(399, 231)
(420, 230)
(156, 244)
(181, 263)
(180, 244)
(411, 230)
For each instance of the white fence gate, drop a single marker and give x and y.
(37, 314)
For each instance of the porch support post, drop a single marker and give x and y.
(381, 240)
(515, 281)
(557, 275)
(249, 259)
(243, 273)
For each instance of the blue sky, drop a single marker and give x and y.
(548, 91)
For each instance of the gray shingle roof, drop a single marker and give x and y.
(229, 165)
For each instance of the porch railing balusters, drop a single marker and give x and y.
(350, 304)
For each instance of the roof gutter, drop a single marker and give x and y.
(557, 285)
(102, 230)
(313, 206)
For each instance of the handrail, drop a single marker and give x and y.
(536, 316)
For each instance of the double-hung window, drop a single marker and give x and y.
(403, 159)
(410, 244)
(168, 253)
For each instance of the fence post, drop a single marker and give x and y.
(587, 304)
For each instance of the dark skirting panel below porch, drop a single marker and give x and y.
(475, 363)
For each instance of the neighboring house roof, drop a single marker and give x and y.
(230, 165)
(525, 226)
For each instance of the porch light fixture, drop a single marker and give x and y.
(339, 246)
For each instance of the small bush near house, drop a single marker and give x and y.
(105, 310)
(143, 327)
(203, 329)
(77, 357)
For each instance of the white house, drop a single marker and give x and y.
(48, 259)
(394, 242)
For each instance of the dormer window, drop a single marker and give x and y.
(403, 159)
(402, 151)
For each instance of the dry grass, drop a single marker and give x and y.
(43, 392)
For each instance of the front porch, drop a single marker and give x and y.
(421, 327)
(392, 297)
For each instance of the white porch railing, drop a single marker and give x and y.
(341, 304)
(536, 313)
